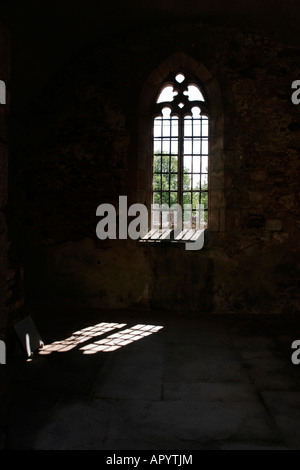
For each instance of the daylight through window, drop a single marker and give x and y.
(180, 151)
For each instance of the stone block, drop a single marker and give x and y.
(273, 225)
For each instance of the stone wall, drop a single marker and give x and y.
(80, 147)
(4, 76)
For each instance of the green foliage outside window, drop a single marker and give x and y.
(165, 184)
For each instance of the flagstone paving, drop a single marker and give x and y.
(219, 382)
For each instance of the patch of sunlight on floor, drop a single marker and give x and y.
(110, 343)
(79, 337)
(123, 338)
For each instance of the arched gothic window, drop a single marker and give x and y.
(180, 151)
(180, 147)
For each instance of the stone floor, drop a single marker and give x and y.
(212, 382)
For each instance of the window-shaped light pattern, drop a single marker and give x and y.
(94, 339)
(180, 151)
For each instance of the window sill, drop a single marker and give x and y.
(193, 239)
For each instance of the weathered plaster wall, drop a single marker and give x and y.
(81, 140)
